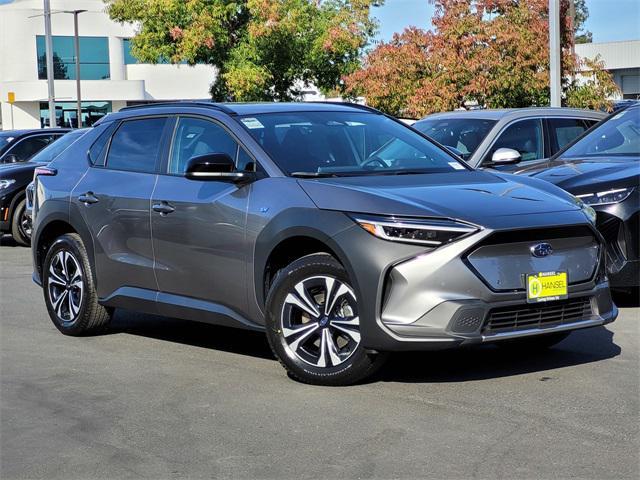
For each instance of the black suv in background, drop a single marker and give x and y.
(337, 230)
(14, 178)
(21, 145)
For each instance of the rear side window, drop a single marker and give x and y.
(136, 145)
(28, 147)
(564, 131)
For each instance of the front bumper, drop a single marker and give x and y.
(427, 300)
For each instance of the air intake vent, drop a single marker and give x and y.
(512, 319)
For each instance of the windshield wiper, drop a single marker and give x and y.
(313, 174)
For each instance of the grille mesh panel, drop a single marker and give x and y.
(512, 319)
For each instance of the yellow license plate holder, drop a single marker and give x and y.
(547, 286)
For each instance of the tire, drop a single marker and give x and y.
(78, 313)
(20, 231)
(315, 346)
(529, 344)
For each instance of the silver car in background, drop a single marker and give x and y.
(508, 139)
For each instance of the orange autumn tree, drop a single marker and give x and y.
(490, 52)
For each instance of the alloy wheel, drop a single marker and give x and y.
(320, 323)
(25, 225)
(65, 286)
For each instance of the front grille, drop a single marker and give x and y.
(524, 317)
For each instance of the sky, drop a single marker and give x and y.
(609, 20)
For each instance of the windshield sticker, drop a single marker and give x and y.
(252, 123)
(456, 166)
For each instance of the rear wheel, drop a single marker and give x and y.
(69, 291)
(538, 342)
(20, 224)
(313, 325)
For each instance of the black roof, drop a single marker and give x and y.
(19, 133)
(250, 108)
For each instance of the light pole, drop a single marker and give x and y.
(554, 52)
(76, 42)
(49, 57)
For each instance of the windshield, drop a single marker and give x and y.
(617, 136)
(345, 143)
(56, 148)
(463, 134)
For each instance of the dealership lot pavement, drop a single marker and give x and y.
(160, 398)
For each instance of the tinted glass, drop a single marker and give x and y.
(564, 131)
(345, 143)
(56, 148)
(136, 145)
(94, 58)
(194, 137)
(98, 150)
(524, 136)
(618, 136)
(5, 140)
(462, 134)
(26, 148)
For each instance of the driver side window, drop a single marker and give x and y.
(524, 136)
(196, 136)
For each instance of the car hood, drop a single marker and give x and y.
(9, 169)
(588, 175)
(472, 196)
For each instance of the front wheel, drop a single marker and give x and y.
(313, 325)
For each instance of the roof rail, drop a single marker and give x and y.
(196, 103)
(350, 104)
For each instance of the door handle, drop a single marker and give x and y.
(163, 208)
(88, 198)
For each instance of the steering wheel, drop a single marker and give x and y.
(373, 160)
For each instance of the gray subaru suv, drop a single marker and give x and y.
(340, 232)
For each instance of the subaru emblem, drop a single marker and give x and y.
(541, 250)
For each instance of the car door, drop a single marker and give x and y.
(199, 225)
(527, 137)
(27, 147)
(114, 201)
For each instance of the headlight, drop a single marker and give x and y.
(607, 197)
(6, 183)
(421, 231)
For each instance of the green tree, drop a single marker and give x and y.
(580, 14)
(263, 49)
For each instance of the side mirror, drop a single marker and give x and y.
(216, 166)
(506, 156)
(11, 158)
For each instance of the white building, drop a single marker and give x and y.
(110, 77)
(622, 59)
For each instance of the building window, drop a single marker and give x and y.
(94, 58)
(67, 113)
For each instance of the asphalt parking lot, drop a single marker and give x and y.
(159, 398)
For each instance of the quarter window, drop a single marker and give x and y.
(524, 136)
(136, 145)
(196, 136)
